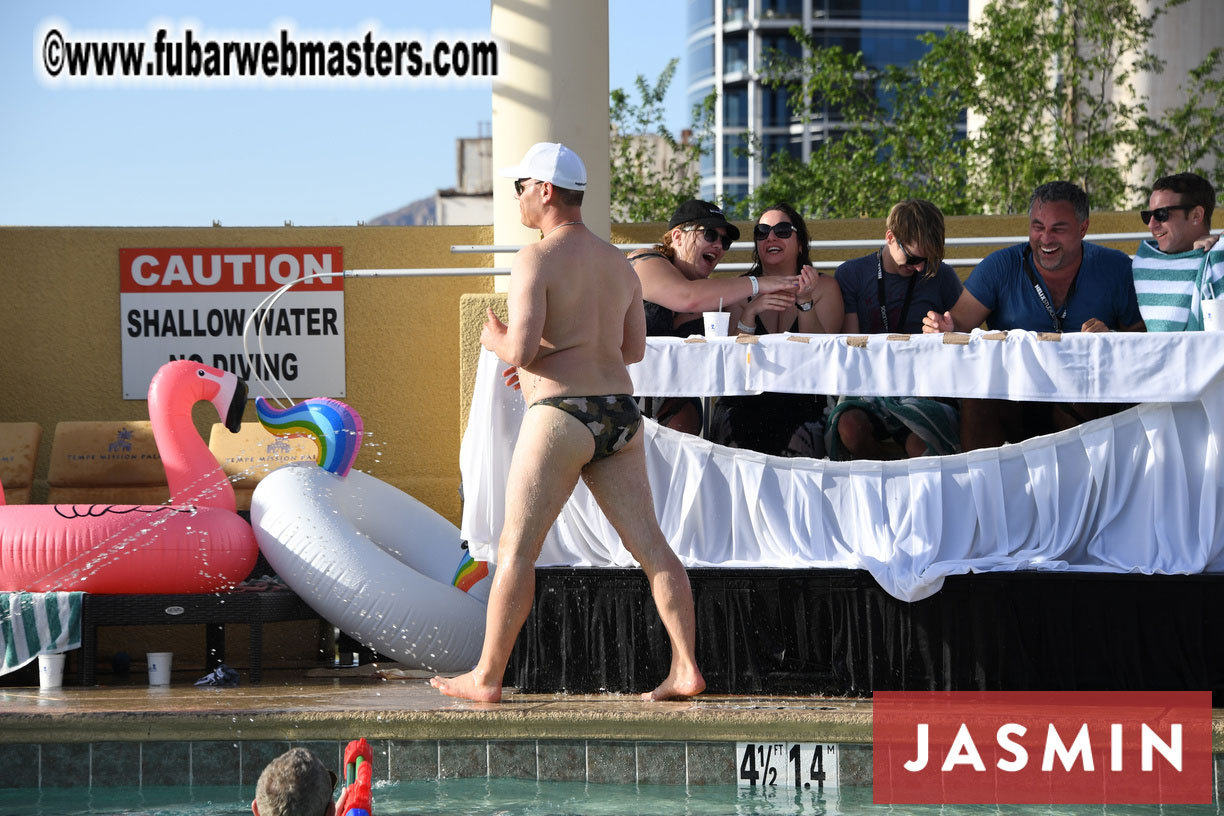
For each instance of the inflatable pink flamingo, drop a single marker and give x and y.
(195, 544)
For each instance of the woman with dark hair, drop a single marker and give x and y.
(677, 288)
(767, 422)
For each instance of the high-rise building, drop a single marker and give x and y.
(728, 40)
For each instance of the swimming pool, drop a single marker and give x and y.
(518, 797)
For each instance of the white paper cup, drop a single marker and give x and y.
(1213, 315)
(50, 671)
(159, 668)
(716, 323)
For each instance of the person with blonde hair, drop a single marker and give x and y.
(890, 291)
(677, 288)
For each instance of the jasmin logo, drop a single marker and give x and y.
(122, 443)
(1042, 747)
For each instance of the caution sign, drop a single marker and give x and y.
(193, 304)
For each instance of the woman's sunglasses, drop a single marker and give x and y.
(782, 229)
(1161, 214)
(710, 235)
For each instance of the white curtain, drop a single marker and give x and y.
(1139, 491)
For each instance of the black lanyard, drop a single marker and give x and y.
(1059, 316)
(909, 293)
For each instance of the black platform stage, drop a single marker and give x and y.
(837, 632)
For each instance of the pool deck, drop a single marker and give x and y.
(323, 704)
(335, 704)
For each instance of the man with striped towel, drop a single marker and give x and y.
(34, 623)
(1178, 267)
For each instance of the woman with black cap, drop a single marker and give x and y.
(677, 288)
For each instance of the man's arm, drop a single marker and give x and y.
(519, 342)
(966, 315)
(1096, 326)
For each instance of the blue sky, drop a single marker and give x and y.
(183, 156)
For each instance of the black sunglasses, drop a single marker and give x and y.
(519, 186)
(783, 229)
(1161, 214)
(910, 260)
(710, 235)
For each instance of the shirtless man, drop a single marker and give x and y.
(576, 321)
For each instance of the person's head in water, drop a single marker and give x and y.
(295, 784)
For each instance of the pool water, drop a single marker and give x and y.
(514, 797)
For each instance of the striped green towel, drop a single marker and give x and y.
(34, 623)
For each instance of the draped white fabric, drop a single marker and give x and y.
(1140, 491)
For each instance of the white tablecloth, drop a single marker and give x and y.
(1140, 491)
(1136, 367)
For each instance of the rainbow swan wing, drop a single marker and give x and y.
(335, 427)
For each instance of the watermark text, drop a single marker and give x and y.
(184, 54)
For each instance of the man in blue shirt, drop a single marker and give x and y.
(1056, 282)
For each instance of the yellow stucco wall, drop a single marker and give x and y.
(60, 332)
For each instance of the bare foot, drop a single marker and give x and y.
(677, 684)
(466, 686)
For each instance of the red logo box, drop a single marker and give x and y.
(1027, 747)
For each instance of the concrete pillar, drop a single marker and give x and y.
(551, 86)
(1183, 37)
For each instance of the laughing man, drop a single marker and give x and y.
(1056, 282)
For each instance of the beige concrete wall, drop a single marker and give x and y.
(60, 332)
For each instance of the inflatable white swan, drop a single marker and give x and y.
(369, 558)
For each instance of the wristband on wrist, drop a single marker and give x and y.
(756, 286)
(803, 307)
(739, 324)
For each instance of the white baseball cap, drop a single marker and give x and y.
(552, 162)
